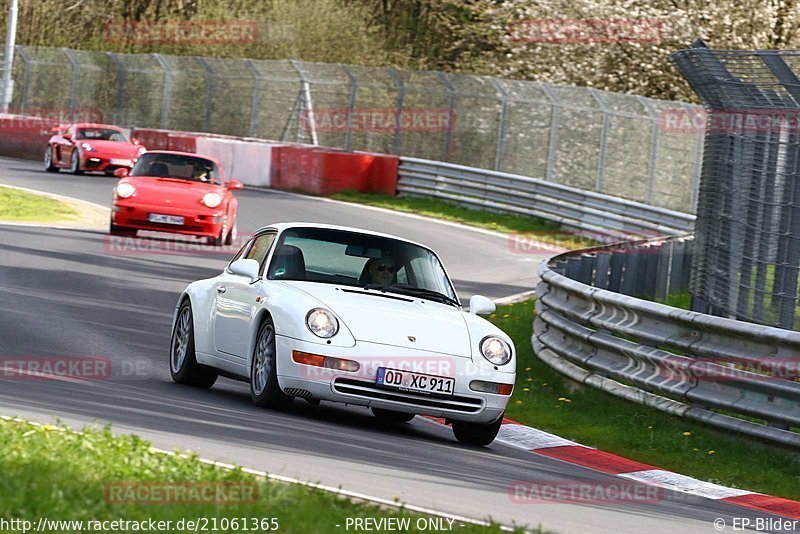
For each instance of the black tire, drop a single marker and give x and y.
(231, 237)
(187, 370)
(479, 434)
(264, 388)
(113, 229)
(48, 160)
(74, 163)
(216, 241)
(391, 416)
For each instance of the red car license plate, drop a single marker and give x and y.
(165, 219)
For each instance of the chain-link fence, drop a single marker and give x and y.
(611, 143)
(747, 253)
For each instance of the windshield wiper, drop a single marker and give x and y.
(415, 291)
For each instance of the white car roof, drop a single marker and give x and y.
(280, 227)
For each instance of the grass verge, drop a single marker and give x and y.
(529, 227)
(22, 206)
(95, 476)
(545, 399)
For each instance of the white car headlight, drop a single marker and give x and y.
(141, 150)
(322, 323)
(87, 147)
(212, 200)
(125, 190)
(495, 350)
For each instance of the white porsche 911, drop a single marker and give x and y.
(339, 314)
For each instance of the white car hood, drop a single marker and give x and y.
(373, 318)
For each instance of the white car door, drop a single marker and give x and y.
(235, 303)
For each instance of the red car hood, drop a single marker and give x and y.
(114, 149)
(172, 192)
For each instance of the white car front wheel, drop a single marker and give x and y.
(264, 388)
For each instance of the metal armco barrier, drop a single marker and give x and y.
(720, 371)
(573, 208)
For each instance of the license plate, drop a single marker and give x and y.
(124, 162)
(164, 219)
(409, 381)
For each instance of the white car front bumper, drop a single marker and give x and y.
(359, 387)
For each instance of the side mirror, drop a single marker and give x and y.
(135, 141)
(480, 305)
(234, 185)
(248, 268)
(122, 172)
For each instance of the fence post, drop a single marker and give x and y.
(26, 77)
(351, 105)
(166, 95)
(601, 157)
(253, 130)
(651, 162)
(308, 104)
(76, 72)
(554, 120)
(122, 75)
(401, 93)
(448, 134)
(501, 127)
(210, 83)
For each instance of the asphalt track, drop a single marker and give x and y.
(67, 293)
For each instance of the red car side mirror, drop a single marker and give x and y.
(122, 172)
(234, 185)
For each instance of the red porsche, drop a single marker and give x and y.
(90, 147)
(176, 192)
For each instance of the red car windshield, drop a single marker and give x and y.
(101, 134)
(178, 166)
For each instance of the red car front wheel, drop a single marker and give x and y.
(74, 163)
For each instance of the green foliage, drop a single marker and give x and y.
(60, 474)
(21, 206)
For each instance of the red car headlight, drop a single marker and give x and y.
(125, 190)
(212, 200)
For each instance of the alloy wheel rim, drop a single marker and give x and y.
(262, 364)
(47, 158)
(74, 162)
(180, 344)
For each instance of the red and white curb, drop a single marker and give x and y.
(540, 442)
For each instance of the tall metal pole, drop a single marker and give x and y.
(11, 35)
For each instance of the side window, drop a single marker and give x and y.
(241, 251)
(260, 248)
(402, 277)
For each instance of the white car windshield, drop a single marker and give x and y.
(360, 260)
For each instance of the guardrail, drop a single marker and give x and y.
(732, 374)
(573, 208)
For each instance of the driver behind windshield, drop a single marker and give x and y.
(382, 271)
